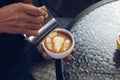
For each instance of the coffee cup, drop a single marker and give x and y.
(59, 43)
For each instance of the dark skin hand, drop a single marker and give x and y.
(47, 57)
(20, 18)
(40, 49)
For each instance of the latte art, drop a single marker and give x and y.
(57, 42)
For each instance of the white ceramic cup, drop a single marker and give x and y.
(64, 54)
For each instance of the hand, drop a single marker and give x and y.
(21, 18)
(47, 57)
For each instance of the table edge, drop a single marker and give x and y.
(80, 16)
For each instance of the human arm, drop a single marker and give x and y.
(20, 18)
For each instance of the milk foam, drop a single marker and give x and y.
(49, 41)
(58, 42)
(66, 44)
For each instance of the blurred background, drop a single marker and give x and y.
(65, 8)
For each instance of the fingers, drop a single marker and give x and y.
(35, 20)
(16, 30)
(73, 51)
(30, 9)
(29, 24)
(68, 58)
(31, 32)
(27, 32)
(44, 11)
(46, 56)
(44, 8)
(39, 47)
(41, 50)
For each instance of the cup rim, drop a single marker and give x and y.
(73, 42)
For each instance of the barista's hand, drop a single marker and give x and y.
(21, 18)
(47, 57)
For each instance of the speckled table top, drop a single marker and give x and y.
(95, 33)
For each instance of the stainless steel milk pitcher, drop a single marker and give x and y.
(49, 24)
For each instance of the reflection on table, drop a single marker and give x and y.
(95, 31)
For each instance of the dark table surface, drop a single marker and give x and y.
(95, 31)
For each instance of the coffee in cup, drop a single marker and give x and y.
(58, 42)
